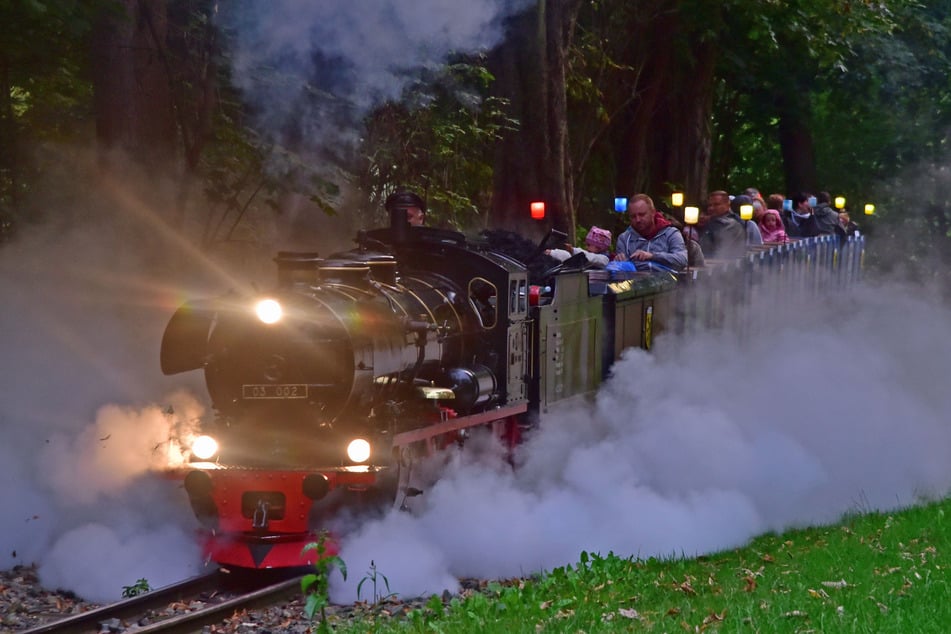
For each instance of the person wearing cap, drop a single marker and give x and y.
(411, 202)
(753, 236)
(597, 251)
(651, 238)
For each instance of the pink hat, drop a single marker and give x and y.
(599, 237)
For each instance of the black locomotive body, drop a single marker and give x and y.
(368, 361)
(359, 365)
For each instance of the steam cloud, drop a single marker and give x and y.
(86, 414)
(336, 59)
(699, 446)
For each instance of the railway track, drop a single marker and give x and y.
(219, 602)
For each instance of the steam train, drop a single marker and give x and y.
(331, 389)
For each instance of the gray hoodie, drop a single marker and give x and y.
(667, 246)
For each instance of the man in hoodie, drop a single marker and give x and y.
(650, 239)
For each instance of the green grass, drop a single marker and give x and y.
(870, 573)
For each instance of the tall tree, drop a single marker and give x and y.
(534, 163)
(155, 68)
(641, 83)
(133, 100)
(784, 58)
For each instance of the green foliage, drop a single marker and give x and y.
(796, 65)
(439, 140)
(45, 92)
(139, 587)
(316, 585)
(374, 576)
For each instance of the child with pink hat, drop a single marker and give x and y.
(598, 251)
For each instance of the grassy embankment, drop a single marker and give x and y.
(870, 573)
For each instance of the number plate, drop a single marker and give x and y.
(282, 391)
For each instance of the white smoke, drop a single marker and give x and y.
(87, 415)
(699, 446)
(305, 64)
(122, 444)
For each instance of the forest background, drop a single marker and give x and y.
(258, 125)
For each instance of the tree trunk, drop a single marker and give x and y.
(533, 163)
(662, 142)
(686, 143)
(798, 151)
(132, 98)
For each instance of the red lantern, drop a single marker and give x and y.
(538, 211)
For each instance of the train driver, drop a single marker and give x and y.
(414, 205)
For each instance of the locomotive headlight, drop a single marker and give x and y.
(204, 447)
(269, 311)
(358, 450)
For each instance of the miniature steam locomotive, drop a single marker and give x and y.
(331, 388)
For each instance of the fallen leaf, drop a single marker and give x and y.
(713, 617)
(838, 585)
(750, 584)
(630, 614)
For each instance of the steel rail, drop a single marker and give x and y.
(89, 621)
(196, 620)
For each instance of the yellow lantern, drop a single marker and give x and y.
(869, 209)
(746, 212)
(839, 202)
(677, 199)
(691, 215)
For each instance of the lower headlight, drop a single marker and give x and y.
(358, 450)
(204, 447)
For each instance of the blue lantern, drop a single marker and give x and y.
(620, 205)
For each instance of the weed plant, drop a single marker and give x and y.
(139, 587)
(877, 573)
(375, 577)
(315, 585)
